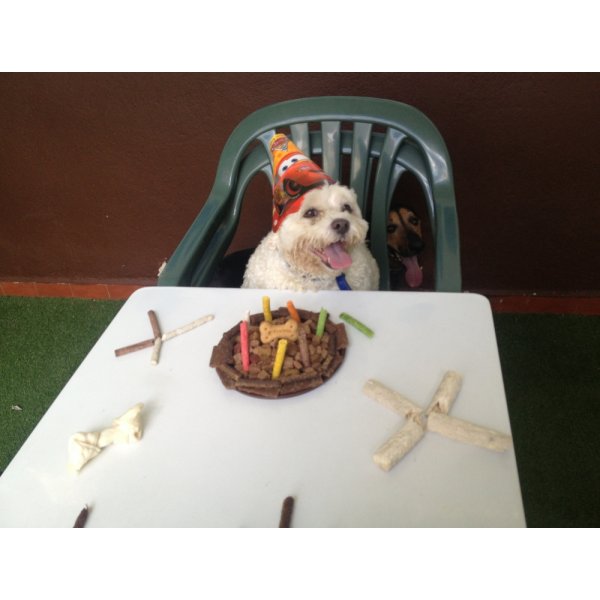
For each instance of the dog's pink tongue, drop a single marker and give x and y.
(337, 257)
(413, 274)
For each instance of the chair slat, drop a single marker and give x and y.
(381, 202)
(359, 164)
(413, 161)
(300, 137)
(331, 148)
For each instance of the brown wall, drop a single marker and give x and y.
(101, 174)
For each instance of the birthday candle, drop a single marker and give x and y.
(281, 348)
(321, 323)
(293, 312)
(244, 345)
(266, 302)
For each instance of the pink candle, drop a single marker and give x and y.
(244, 345)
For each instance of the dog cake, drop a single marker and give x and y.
(284, 356)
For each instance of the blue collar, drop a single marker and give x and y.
(342, 283)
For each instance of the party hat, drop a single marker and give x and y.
(294, 175)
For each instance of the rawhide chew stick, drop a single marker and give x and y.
(157, 337)
(134, 347)
(399, 444)
(357, 324)
(434, 418)
(81, 518)
(286, 512)
(446, 393)
(293, 312)
(185, 328)
(321, 323)
(266, 304)
(244, 345)
(165, 336)
(279, 357)
(390, 398)
(468, 433)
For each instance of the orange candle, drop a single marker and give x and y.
(293, 312)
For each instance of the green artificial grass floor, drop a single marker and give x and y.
(42, 342)
(550, 365)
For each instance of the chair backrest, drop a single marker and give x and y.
(366, 143)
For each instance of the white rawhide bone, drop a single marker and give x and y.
(434, 418)
(463, 431)
(272, 331)
(446, 393)
(390, 398)
(84, 446)
(400, 444)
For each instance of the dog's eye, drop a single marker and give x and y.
(347, 208)
(413, 220)
(392, 228)
(311, 213)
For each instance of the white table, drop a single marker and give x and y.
(212, 457)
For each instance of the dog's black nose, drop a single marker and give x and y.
(415, 243)
(340, 226)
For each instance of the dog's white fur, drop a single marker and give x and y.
(285, 259)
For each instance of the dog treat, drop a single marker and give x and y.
(287, 508)
(293, 312)
(157, 337)
(321, 323)
(433, 418)
(390, 398)
(357, 324)
(281, 348)
(244, 345)
(400, 444)
(81, 518)
(186, 328)
(85, 446)
(266, 303)
(164, 337)
(270, 331)
(446, 393)
(134, 347)
(154, 323)
(468, 433)
(156, 351)
(303, 346)
(308, 360)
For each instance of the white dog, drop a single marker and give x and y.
(321, 246)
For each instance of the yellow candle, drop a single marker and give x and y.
(281, 348)
(266, 302)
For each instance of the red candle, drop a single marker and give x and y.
(244, 345)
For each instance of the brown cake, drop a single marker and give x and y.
(310, 360)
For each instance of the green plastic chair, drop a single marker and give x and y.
(388, 137)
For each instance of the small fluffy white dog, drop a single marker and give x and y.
(322, 241)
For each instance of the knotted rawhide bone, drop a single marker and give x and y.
(270, 331)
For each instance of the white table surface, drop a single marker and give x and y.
(212, 457)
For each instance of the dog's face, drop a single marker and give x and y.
(405, 242)
(319, 238)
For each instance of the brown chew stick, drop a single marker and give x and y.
(285, 520)
(81, 518)
(134, 347)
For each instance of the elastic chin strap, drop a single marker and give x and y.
(342, 283)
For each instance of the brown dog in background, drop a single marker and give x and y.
(405, 243)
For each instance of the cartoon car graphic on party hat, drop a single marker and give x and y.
(294, 175)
